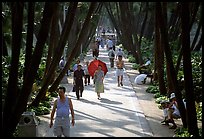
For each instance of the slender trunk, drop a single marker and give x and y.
(53, 40)
(59, 51)
(159, 57)
(12, 90)
(29, 39)
(187, 68)
(171, 66)
(77, 46)
(196, 35)
(141, 32)
(13, 118)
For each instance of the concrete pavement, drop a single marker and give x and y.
(117, 114)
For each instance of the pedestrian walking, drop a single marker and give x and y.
(120, 53)
(98, 79)
(61, 64)
(111, 55)
(120, 70)
(75, 65)
(78, 81)
(62, 106)
(86, 74)
(109, 44)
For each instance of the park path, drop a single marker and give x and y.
(126, 111)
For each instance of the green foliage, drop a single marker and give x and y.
(147, 48)
(160, 99)
(53, 94)
(199, 110)
(181, 132)
(131, 59)
(135, 66)
(157, 95)
(42, 109)
(152, 89)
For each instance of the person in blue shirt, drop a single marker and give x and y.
(62, 106)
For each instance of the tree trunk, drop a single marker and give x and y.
(159, 56)
(142, 31)
(29, 39)
(170, 63)
(59, 51)
(12, 90)
(54, 35)
(77, 46)
(196, 35)
(170, 85)
(13, 115)
(187, 68)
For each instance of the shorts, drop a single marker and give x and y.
(119, 72)
(61, 126)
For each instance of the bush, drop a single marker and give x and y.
(160, 99)
(152, 89)
(43, 108)
(157, 95)
(131, 59)
(135, 66)
(181, 132)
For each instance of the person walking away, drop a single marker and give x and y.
(109, 44)
(120, 53)
(120, 70)
(78, 81)
(61, 64)
(64, 106)
(95, 49)
(98, 78)
(75, 65)
(111, 55)
(86, 74)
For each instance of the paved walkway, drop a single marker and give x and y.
(117, 114)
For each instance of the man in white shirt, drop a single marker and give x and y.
(140, 79)
(144, 68)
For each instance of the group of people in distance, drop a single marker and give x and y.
(82, 72)
(119, 63)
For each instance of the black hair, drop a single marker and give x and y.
(63, 88)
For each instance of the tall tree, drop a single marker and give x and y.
(13, 89)
(169, 60)
(29, 39)
(58, 54)
(159, 56)
(16, 101)
(187, 68)
(81, 36)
